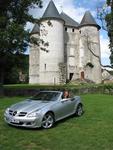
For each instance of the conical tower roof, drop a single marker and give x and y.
(36, 29)
(88, 20)
(69, 21)
(51, 12)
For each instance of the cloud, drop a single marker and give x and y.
(74, 11)
(105, 51)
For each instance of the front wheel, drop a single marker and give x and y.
(79, 110)
(48, 121)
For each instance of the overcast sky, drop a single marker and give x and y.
(76, 9)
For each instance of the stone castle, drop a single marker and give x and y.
(73, 49)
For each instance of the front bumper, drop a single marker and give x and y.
(23, 121)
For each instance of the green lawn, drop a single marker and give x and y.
(92, 131)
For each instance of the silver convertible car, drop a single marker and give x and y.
(43, 110)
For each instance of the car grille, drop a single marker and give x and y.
(22, 114)
(13, 113)
(20, 123)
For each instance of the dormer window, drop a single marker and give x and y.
(65, 28)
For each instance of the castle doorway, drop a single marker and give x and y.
(71, 76)
(82, 75)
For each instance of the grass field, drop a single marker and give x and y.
(92, 131)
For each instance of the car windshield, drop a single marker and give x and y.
(46, 96)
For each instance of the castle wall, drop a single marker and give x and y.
(79, 49)
(71, 50)
(34, 63)
(49, 61)
(90, 53)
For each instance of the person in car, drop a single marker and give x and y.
(66, 94)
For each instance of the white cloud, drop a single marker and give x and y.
(70, 9)
(105, 51)
(76, 14)
(62, 5)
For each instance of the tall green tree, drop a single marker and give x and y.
(109, 22)
(14, 39)
(105, 15)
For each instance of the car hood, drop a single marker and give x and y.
(29, 105)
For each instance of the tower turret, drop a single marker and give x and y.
(89, 53)
(51, 31)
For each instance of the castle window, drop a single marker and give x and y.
(65, 28)
(45, 66)
(71, 52)
(80, 31)
(71, 76)
(73, 30)
(82, 75)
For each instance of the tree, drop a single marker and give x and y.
(105, 14)
(109, 22)
(14, 39)
(19, 72)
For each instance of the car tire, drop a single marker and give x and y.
(79, 110)
(48, 120)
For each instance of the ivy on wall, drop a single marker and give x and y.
(62, 72)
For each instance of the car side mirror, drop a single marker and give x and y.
(63, 100)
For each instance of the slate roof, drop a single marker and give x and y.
(35, 29)
(51, 12)
(88, 20)
(68, 20)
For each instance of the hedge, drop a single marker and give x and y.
(29, 90)
(1, 90)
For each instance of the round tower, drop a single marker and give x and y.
(89, 45)
(51, 32)
(34, 58)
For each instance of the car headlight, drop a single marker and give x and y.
(7, 111)
(33, 114)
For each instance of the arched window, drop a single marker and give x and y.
(82, 75)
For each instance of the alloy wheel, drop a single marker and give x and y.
(48, 121)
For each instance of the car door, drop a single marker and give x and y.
(63, 108)
(68, 106)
